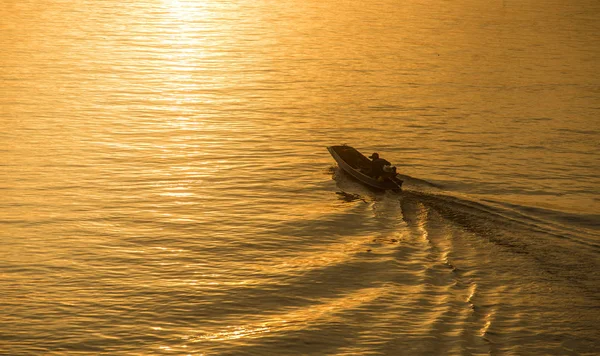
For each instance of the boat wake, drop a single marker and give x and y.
(416, 182)
(498, 277)
(563, 245)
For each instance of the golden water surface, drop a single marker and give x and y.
(165, 187)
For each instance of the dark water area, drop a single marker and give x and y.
(165, 187)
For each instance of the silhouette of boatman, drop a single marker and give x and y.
(377, 165)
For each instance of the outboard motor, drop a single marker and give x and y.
(389, 169)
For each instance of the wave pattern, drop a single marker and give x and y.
(165, 188)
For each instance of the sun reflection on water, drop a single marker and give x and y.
(297, 319)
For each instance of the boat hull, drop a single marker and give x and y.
(353, 162)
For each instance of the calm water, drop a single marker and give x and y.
(165, 187)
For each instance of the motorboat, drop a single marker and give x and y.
(351, 161)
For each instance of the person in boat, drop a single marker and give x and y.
(379, 166)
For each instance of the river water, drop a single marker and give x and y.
(166, 188)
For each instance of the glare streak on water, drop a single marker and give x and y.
(165, 187)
